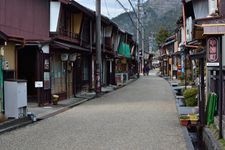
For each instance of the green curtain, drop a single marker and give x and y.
(211, 108)
(124, 49)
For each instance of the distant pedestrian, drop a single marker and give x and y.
(144, 70)
(147, 69)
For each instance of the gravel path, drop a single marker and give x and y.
(140, 116)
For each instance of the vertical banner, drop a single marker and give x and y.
(212, 52)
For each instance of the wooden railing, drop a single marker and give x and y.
(73, 36)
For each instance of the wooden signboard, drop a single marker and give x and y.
(212, 52)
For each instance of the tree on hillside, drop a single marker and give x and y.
(161, 36)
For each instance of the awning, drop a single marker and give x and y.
(212, 29)
(70, 46)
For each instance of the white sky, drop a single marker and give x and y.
(109, 8)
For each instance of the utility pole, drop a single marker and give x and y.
(139, 55)
(98, 47)
(142, 37)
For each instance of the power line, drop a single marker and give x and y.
(125, 9)
(107, 8)
(135, 13)
(128, 15)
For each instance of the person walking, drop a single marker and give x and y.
(147, 69)
(144, 70)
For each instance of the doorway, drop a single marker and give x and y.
(27, 66)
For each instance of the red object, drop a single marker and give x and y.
(184, 122)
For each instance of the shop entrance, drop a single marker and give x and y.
(78, 75)
(27, 66)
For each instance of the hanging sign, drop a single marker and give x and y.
(212, 52)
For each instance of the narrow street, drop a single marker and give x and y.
(141, 115)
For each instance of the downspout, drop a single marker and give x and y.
(1, 81)
(103, 54)
(39, 77)
(91, 31)
(220, 89)
(91, 49)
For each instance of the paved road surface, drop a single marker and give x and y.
(140, 116)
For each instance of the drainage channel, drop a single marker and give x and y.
(192, 131)
(194, 135)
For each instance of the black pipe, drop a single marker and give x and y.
(185, 69)
(202, 93)
(220, 89)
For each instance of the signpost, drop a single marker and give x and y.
(214, 50)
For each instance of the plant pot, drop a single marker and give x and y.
(55, 99)
(184, 122)
(55, 102)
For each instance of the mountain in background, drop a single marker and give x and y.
(157, 14)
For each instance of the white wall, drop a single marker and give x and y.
(201, 8)
(223, 49)
(54, 15)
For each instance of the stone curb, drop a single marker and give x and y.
(9, 126)
(187, 138)
(210, 141)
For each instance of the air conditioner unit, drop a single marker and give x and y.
(213, 8)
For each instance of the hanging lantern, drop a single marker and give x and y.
(72, 57)
(64, 56)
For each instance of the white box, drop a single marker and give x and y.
(15, 93)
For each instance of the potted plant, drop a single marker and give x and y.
(190, 97)
(55, 99)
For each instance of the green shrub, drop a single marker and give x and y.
(190, 97)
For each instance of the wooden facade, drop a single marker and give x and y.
(71, 39)
(54, 42)
(204, 24)
(25, 23)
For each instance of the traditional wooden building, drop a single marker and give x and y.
(7, 61)
(168, 48)
(126, 53)
(25, 25)
(52, 45)
(204, 24)
(109, 44)
(72, 28)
